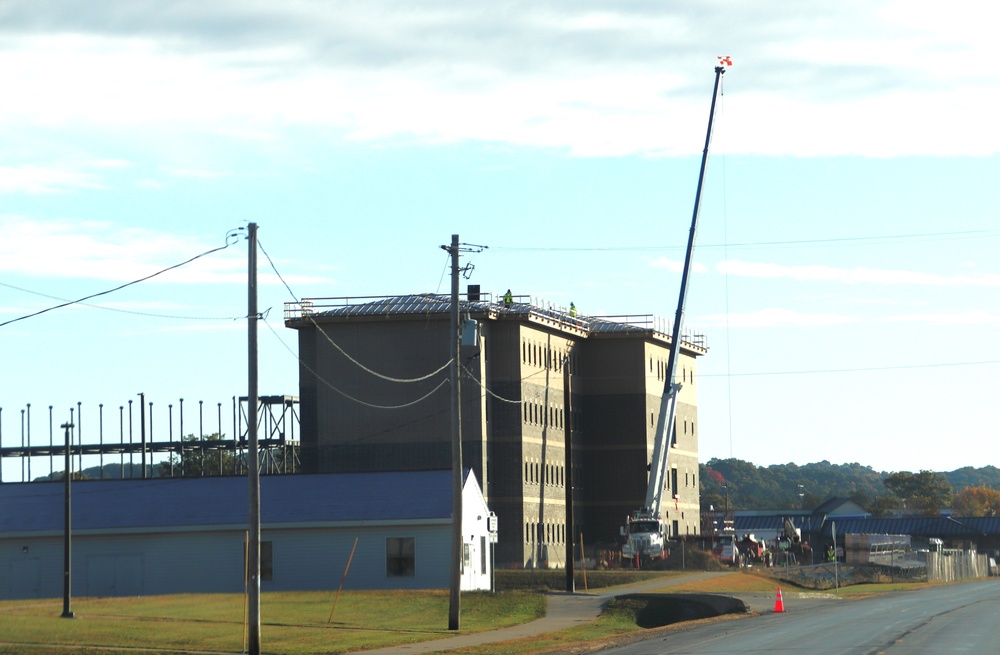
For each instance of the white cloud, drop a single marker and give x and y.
(197, 174)
(102, 251)
(854, 77)
(676, 266)
(958, 318)
(854, 275)
(40, 179)
(774, 317)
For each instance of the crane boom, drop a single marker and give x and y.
(645, 533)
(668, 402)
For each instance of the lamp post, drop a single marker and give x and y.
(67, 534)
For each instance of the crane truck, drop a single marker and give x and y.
(645, 531)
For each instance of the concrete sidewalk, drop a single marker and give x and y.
(563, 610)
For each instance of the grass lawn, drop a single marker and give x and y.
(291, 622)
(300, 622)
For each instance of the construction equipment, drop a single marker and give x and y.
(646, 532)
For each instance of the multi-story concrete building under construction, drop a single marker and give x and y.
(374, 396)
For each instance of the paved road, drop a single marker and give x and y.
(954, 619)
(563, 611)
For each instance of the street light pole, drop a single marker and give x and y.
(67, 613)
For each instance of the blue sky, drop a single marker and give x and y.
(846, 274)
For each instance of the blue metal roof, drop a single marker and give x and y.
(940, 526)
(193, 502)
(944, 527)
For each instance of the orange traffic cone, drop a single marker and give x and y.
(779, 605)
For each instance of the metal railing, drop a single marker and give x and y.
(530, 307)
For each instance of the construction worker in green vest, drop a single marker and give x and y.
(508, 298)
(572, 309)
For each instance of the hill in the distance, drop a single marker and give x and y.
(790, 486)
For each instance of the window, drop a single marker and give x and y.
(400, 557)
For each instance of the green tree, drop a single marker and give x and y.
(925, 491)
(882, 506)
(977, 501)
(199, 458)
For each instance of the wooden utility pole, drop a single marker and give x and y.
(455, 585)
(570, 526)
(253, 471)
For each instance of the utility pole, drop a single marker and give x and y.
(253, 471)
(570, 526)
(67, 613)
(454, 340)
(455, 579)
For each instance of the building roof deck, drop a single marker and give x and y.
(525, 308)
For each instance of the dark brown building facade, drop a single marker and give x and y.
(375, 396)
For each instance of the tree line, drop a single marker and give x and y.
(740, 485)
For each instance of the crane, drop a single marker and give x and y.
(645, 531)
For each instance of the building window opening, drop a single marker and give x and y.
(400, 557)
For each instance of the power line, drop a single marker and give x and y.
(471, 376)
(343, 393)
(125, 311)
(966, 234)
(337, 346)
(902, 367)
(230, 240)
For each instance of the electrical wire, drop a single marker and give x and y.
(343, 393)
(230, 240)
(471, 376)
(963, 234)
(125, 311)
(337, 346)
(901, 367)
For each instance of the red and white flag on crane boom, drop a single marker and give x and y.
(727, 61)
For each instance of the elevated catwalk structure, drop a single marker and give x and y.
(277, 421)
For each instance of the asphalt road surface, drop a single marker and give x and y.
(948, 620)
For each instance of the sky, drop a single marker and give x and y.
(845, 269)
